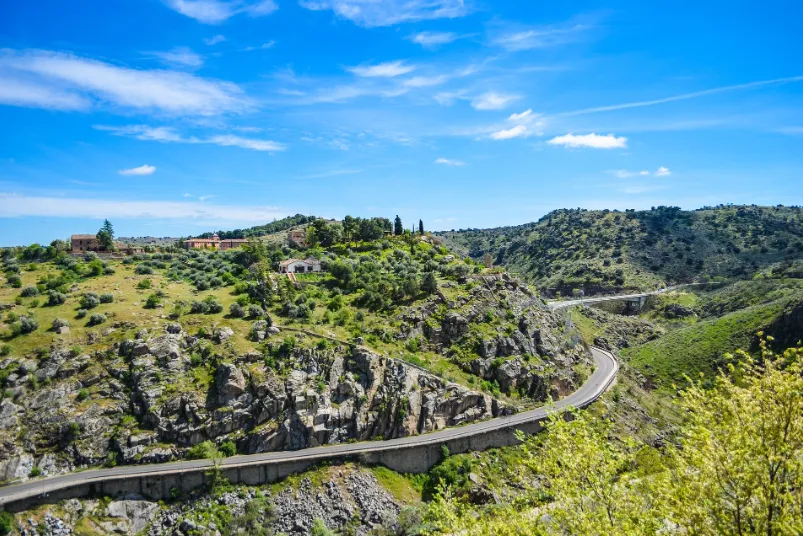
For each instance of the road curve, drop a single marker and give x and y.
(594, 386)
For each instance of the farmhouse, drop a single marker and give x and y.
(214, 243)
(298, 266)
(84, 242)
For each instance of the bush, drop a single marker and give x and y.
(153, 301)
(236, 310)
(213, 306)
(108, 270)
(96, 318)
(15, 281)
(255, 311)
(6, 523)
(89, 300)
(143, 269)
(59, 323)
(26, 324)
(228, 448)
(83, 394)
(198, 308)
(145, 284)
(203, 451)
(29, 292)
(81, 313)
(106, 297)
(55, 297)
(5, 350)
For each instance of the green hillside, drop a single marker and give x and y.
(603, 251)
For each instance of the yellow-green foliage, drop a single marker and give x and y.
(737, 470)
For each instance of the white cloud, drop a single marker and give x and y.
(448, 162)
(493, 101)
(388, 69)
(214, 40)
(594, 141)
(169, 135)
(218, 11)
(181, 56)
(530, 37)
(32, 95)
(515, 132)
(17, 206)
(64, 81)
(371, 13)
(263, 46)
(426, 81)
(662, 172)
(141, 170)
(520, 117)
(447, 98)
(433, 39)
(643, 173)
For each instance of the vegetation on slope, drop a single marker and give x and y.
(607, 251)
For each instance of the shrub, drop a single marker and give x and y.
(15, 281)
(35, 471)
(29, 292)
(198, 307)
(55, 297)
(83, 394)
(96, 318)
(89, 300)
(59, 323)
(108, 270)
(107, 297)
(26, 324)
(153, 301)
(81, 313)
(6, 523)
(143, 269)
(5, 350)
(145, 284)
(255, 311)
(236, 310)
(213, 306)
(228, 448)
(35, 303)
(203, 451)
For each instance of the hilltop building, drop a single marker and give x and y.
(214, 243)
(297, 237)
(299, 266)
(84, 242)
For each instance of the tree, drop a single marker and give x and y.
(105, 236)
(398, 228)
(350, 226)
(420, 227)
(429, 284)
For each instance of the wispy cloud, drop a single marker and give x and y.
(371, 13)
(531, 37)
(626, 174)
(169, 135)
(181, 56)
(386, 70)
(263, 46)
(433, 39)
(141, 170)
(218, 11)
(215, 39)
(594, 141)
(449, 162)
(515, 132)
(426, 81)
(521, 116)
(63, 81)
(684, 96)
(17, 206)
(493, 101)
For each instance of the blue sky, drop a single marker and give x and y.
(174, 117)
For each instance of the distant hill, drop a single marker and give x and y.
(605, 251)
(261, 230)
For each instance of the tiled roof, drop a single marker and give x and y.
(84, 237)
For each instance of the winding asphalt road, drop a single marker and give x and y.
(595, 385)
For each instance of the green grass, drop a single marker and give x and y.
(700, 348)
(402, 487)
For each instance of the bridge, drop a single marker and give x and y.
(637, 299)
(412, 454)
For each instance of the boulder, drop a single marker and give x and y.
(230, 382)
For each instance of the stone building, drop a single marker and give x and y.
(214, 243)
(297, 237)
(84, 242)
